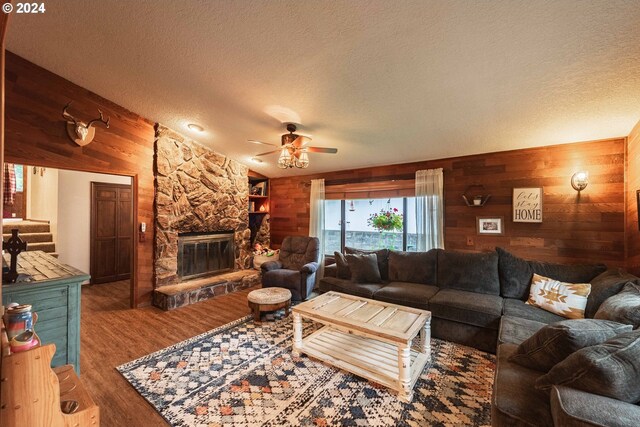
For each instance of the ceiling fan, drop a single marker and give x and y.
(293, 150)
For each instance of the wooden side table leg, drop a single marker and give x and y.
(255, 310)
(425, 339)
(404, 368)
(297, 334)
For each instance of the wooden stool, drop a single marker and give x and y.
(269, 299)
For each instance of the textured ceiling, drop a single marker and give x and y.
(383, 81)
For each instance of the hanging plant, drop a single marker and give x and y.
(386, 220)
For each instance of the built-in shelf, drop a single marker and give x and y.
(260, 185)
(475, 196)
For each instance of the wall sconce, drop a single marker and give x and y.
(580, 180)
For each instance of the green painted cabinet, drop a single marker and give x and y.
(55, 296)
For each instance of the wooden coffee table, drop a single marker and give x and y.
(371, 339)
(269, 299)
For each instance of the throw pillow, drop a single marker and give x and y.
(610, 369)
(623, 307)
(364, 268)
(606, 285)
(555, 342)
(564, 299)
(383, 259)
(342, 267)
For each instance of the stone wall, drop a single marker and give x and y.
(263, 235)
(197, 190)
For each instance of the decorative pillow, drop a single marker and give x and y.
(555, 342)
(623, 307)
(564, 299)
(383, 259)
(610, 369)
(342, 267)
(606, 285)
(364, 268)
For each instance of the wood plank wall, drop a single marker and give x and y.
(35, 135)
(633, 184)
(589, 227)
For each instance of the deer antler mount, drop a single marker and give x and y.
(80, 132)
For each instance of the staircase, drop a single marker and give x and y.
(37, 234)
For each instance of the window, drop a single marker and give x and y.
(358, 223)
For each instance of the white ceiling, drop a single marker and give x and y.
(383, 81)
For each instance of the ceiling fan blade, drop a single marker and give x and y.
(301, 141)
(254, 141)
(268, 152)
(321, 150)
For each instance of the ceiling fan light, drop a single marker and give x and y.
(302, 161)
(285, 159)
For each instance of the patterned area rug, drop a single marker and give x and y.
(243, 374)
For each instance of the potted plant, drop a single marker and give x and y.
(387, 221)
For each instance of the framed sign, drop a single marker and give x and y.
(527, 204)
(490, 225)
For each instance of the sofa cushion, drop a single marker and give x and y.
(364, 268)
(414, 267)
(517, 308)
(514, 330)
(623, 307)
(610, 369)
(516, 273)
(467, 307)
(564, 299)
(577, 408)
(516, 402)
(472, 272)
(606, 285)
(555, 342)
(404, 293)
(345, 286)
(342, 266)
(383, 259)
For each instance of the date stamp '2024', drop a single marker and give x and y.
(33, 8)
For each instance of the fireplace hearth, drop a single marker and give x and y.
(205, 254)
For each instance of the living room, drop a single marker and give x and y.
(499, 96)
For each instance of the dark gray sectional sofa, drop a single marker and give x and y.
(478, 299)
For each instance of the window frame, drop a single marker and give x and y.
(343, 222)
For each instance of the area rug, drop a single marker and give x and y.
(243, 374)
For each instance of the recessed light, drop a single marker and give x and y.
(256, 160)
(195, 127)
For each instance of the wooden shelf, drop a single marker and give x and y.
(258, 197)
(258, 212)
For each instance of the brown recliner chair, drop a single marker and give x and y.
(296, 268)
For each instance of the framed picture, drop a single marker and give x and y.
(527, 204)
(490, 225)
(638, 206)
(256, 191)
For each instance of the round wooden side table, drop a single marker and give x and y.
(269, 299)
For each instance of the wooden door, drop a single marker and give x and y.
(111, 232)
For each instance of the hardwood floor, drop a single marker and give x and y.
(112, 334)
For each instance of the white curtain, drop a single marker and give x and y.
(429, 209)
(316, 219)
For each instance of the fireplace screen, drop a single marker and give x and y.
(204, 254)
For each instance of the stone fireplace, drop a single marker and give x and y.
(205, 254)
(197, 191)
